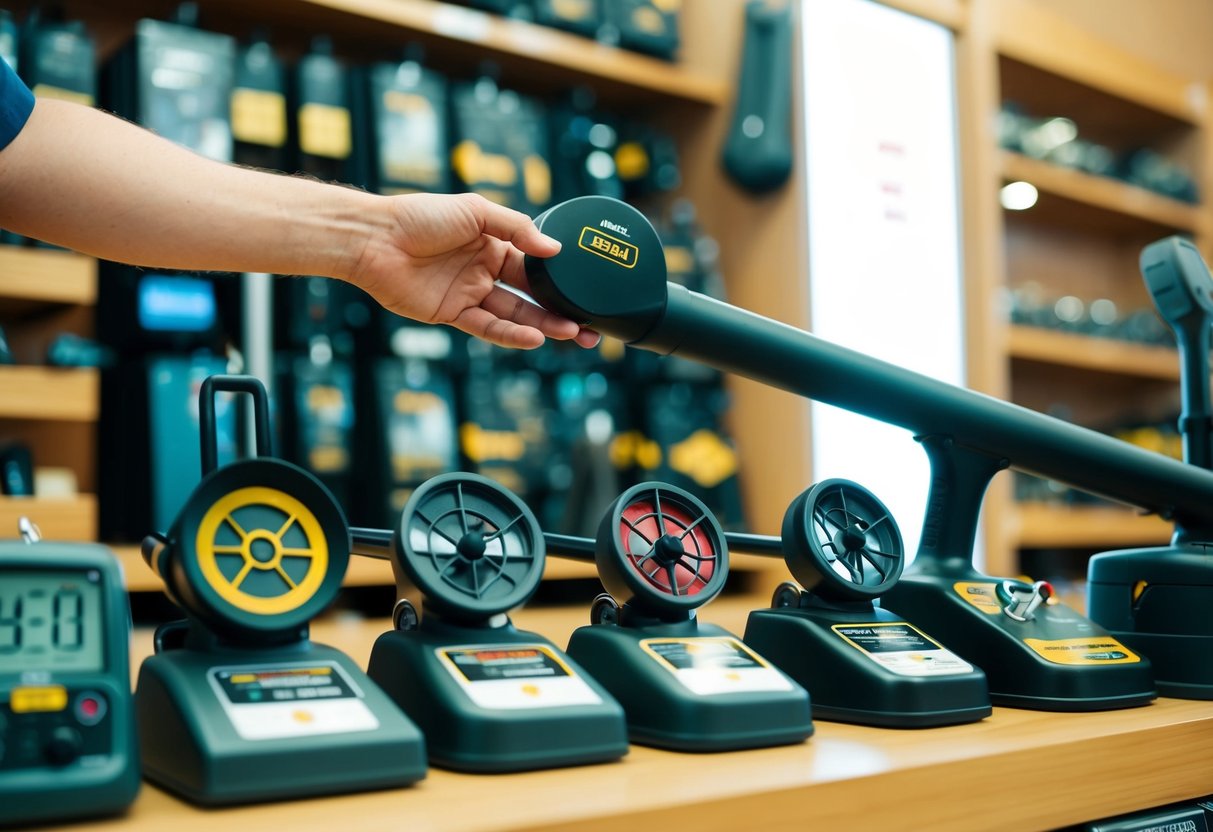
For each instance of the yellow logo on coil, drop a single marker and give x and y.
(610, 248)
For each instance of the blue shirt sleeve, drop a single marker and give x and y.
(16, 103)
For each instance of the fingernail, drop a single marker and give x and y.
(553, 241)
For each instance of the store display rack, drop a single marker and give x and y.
(54, 410)
(1082, 237)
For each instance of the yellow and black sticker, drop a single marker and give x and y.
(714, 665)
(40, 699)
(598, 242)
(60, 94)
(632, 163)
(572, 9)
(980, 594)
(515, 676)
(902, 648)
(259, 117)
(481, 444)
(324, 130)
(704, 457)
(1093, 650)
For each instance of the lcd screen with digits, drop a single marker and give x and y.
(50, 621)
(176, 304)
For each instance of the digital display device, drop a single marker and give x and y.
(176, 304)
(50, 620)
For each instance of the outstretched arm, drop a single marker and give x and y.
(83, 179)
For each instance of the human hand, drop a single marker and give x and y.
(437, 258)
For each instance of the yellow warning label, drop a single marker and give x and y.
(324, 130)
(704, 457)
(259, 117)
(60, 94)
(1083, 651)
(980, 595)
(31, 700)
(608, 247)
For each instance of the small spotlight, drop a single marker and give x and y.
(1018, 196)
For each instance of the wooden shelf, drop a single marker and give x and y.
(1073, 199)
(69, 518)
(1030, 33)
(1085, 352)
(32, 278)
(49, 393)
(1047, 526)
(542, 54)
(1075, 766)
(950, 13)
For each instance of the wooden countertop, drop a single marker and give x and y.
(1017, 770)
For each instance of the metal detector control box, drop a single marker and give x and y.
(498, 699)
(489, 697)
(862, 663)
(67, 724)
(224, 725)
(684, 684)
(238, 705)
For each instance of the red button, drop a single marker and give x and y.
(90, 708)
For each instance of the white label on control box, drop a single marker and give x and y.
(709, 666)
(516, 676)
(268, 702)
(902, 649)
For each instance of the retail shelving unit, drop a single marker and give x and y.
(690, 97)
(53, 410)
(1082, 238)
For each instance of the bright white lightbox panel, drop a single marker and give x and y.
(884, 235)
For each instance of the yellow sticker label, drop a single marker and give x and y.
(1096, 650)
(632, 161)
(648, 20)
(324, 130)
(572, 9)
(980, 595)
(480, 444)
(679, 260)
(329, 459)
(475, 167)
(537, 180)
(610, 248)
(704, 457)
(259, 117)
(60, 94)
(31, 700)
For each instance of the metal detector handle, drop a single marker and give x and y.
(206, 415)
(1181, 287)
(371, 543)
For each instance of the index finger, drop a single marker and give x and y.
(512, 226)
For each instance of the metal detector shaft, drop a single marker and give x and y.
(377, 543)
(731, 339)
(371, 543)
(582, 548)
